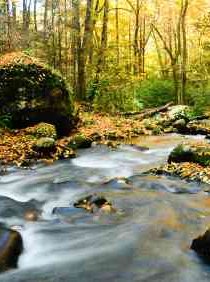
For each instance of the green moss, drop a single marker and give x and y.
(43, 130)
(45, 142)
(80, 141)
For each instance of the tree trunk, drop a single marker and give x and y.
(84, 50)
(117, 32)
(9, 31)
(35, 18)
(75, 42)
(46, 6)
(135, 44)
(103, 47)
(184, 52)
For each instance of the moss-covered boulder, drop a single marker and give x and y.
(80, 141)
(45, 146)
(31, 93)
(42, 129)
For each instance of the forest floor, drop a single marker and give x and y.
(17, 146)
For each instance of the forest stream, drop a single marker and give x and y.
(147, 239)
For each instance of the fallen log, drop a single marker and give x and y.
(149, 112)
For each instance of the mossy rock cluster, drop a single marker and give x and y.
(190, 161)
(31, 93)
(196, 153)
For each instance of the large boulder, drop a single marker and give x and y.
(31, 93)
(11, 246)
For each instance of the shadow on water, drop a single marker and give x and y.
(147, 239)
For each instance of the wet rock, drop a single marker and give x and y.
(199, 127)
(93, 203)
(63, 211)
(139, 148)
(118, 183)
(170, 129)
(12, 208)
(80, 141)
(180, 124)
(201, 245)
(31, 93)
(3, 171)
(111, 144)
(96, 136)
(11, 246)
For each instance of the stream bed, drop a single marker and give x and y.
(147, 239)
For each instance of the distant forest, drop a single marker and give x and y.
(135, 53)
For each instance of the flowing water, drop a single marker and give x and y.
(147, 239)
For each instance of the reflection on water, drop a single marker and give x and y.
(146, 240)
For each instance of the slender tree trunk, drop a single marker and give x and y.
(46, 6)
(136, 33)
(14, 13)
(103, 47)
(117, 32)
(184, 52)
(35, 18)
(53, 56)
(95, 16)
(66, 37)
(130, 48)
(75, 43)
(9, 26)
(160, 59)
(84, 50)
